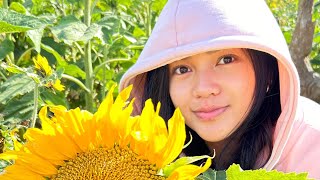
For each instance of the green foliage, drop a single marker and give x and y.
(315, 54)
(18, 111)
(211, 174)
(69, 29)
(234, 172)
(5, 144)
(56, 30)
(16, 97)
(11, 21)
(16, 85)
(285, 12)
(6, 46)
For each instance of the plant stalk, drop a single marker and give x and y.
(148, 23)
(77, 81)
(35, 106)
(105, 58)
(88, 59)
(5, 4)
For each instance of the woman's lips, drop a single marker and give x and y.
(210, 113)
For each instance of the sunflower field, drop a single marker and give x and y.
(69, 54)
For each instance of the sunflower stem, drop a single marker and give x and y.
(105, 58)
(148, 18)
(5, 4)
(77, 81)
(35, 106)
(88, 59)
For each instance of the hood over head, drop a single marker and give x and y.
(188, 27)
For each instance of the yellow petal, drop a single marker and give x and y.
(31, 161)
(58, 86)
(18, 172)
(53, 147)
(72, 123)
(176, 139)
(41, 64)
(160, 131)
(188, 172)
(142, 131)
(105, 133)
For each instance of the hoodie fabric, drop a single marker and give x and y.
(188, 27)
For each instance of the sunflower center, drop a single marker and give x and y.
(110, 164)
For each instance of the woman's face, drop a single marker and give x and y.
(213, 90)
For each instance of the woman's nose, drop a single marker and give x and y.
(205, 85)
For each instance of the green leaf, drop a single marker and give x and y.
(74, 70)
(93, 31)
(69, 29)
(316, 38)
(138, 32)
(11, 21)
(158, 5)
(315, 60)
(8, 28)
(109, 74)
(110, 26)
(16, 85)
(211, 174)
(13, 68)
(59, 58)
(234, 172)
(18, 109)
(18, 70)
(36, 36)
(6, 47)
(16, 6)
(127, 3)
(56, 98)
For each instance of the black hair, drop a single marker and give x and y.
(254, 136)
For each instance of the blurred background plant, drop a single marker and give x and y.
(87, 45)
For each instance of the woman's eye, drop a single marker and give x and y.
(181, 70)
(226, 60)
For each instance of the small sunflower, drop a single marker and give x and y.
(42, 66)
(109, 144)
(56, 85)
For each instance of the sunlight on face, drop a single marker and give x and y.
(213, 90)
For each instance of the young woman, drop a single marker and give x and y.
(226, 65)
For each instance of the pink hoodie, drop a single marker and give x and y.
(189, 27)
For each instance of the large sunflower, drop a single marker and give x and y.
(109, 144)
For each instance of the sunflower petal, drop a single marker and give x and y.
(31, 161)
(74, 143)
(53, 147)
(188, 172)
(175, 141)
(41, 64)
(182, 162)
(105, 131)
(18, 172)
